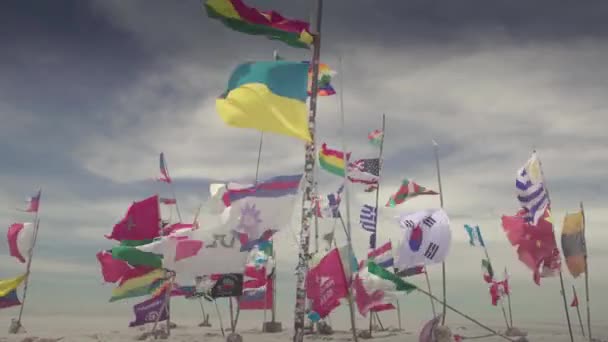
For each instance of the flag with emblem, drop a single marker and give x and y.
(408, 189)
(427, 238)
(365, 171)
(141, 222)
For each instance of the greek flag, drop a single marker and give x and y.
(368, 218)
(531, 191)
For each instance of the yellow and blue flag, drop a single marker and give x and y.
(268, 96)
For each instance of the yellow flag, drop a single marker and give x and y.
(8, 285)
(573, 223)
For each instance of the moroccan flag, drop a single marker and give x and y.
(408, 189)
(20, 237)
(327, 284)
(573, 243)
(239, 17)
(164, 172)
(9, 300)
(8, 285)
(332, 161)
(141, 222)
(268, 96)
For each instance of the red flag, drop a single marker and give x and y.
(187, 248)
(177, 226)
(112, 269)
(257, 298)
(574, 301)
(20, 237)
(33, 203)
(382, 307)
(536, 245)
(141, 222)
(167, 201)
(326, 284)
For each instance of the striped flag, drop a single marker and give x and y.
(167, 201)
(375, 137)
(365, 171)
(368, 218)
(531, 191)
(383, 255)
(163, 170)
(412, 271)
(474, 235)
(32, 203)
(408, 189)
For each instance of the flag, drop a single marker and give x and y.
(128, 252)
(33, 203)
(408, 272)
(178, 226)
(111, 269)
(474, 235)
(332, 161)
(141, 222)
(371, 188)
(371, 284)
(138, 286)
(375, 137)
(426, 240)
(349, 262)
(9, 300)
(20, 237)
(531, 191)
(167, 201)
(257, 298)
(228, 285)
(328, 206)
(267, 96)
(366, 171)
(164, 172)
(408, 189)
(326, 283)
(324, 87)
(239, 17)
(186, 248)
(573, 243)
(368, 218)
(498, 290)
(258, 211)
(149, 311)
(8, 285)
(536, 246)
(383, 255)
(488, 272)
(574, 300)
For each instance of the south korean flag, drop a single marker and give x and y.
(426, 240)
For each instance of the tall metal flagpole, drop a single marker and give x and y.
(509, 302)
(347, 198)
(371, 315)
(502, 304)
(586, 273)
(179, 215)
(29, 262)
(443, 281)
(578, 311)
(561, 276)
(309, 182)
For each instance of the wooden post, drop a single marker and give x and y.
(586, 273)
(561, 276)
(578, 311)
(443, 280)
(29, 262)
(309, 165)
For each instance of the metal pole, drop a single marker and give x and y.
(443, 280)
(586, 273)
(219, 316)
(578, 311)
(428, 285)
(309, 165)
(502, 304)
(509, 302)
(561, 277)
(179, 215)
(29, 261)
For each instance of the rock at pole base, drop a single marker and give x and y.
(324, 328)
(513, 331)
(234, 337)
(443, 333)
(272, 327)
(15, 327)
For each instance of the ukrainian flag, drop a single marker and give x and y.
(268, 96)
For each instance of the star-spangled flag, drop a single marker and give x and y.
(163, 170)
(368, 218)
(366, 171)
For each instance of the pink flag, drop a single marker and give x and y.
(141, 222)
(382, 307)
(20, 239)
(33, 203)
(112, 269)
(163, 170)
(326, 284)
(187, 248)
(168, 201)
(177, 226)
(366, 301)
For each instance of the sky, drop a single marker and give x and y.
(92, 91)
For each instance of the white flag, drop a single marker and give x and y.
(427, 238)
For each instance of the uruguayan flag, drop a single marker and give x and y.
(531, 191)
(368, 218)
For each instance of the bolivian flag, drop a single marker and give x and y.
(268, 96)
(139, 286)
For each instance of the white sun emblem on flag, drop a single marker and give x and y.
(249, 222)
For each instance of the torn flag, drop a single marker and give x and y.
(164, 172)
(332, 161)
(142, 221)
(33, 203)
(408, 189)
(532, 194)
(20, 237)
(9, 300)
(573, 243)
(365, 171)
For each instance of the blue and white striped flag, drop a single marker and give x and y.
(531, 191)
(368, 218)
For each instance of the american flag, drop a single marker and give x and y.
(368, 218)
(366, 171)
